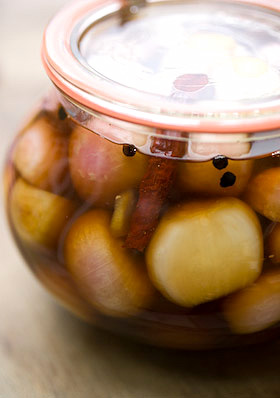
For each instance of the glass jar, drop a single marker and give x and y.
(144, 192)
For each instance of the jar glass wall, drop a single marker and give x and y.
(167, 237)
(144, 191)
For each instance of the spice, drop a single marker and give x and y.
(153, 192)
(220, 162)
(129, 150)
(61, 113)
(228, 180)
(191, 82)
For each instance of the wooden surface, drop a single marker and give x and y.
(47, 353)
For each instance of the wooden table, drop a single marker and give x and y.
(47, 353)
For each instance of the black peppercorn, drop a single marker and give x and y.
(228, 180)
(220, 162)
(129, 150)
(61, 113)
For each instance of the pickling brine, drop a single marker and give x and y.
(144, 191)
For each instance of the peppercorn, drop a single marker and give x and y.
(61, 113)
(129, 150)
(228, 180)
(220, 162)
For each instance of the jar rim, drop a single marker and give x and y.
(78, 82)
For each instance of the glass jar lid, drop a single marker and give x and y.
(200, 65)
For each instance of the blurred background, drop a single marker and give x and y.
(47, 353)
(22, 77)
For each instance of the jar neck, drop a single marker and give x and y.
(198, 146)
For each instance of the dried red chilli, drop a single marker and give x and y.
(154, 191)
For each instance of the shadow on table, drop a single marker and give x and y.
(148, 372)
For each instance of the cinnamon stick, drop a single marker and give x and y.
(153, 192)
